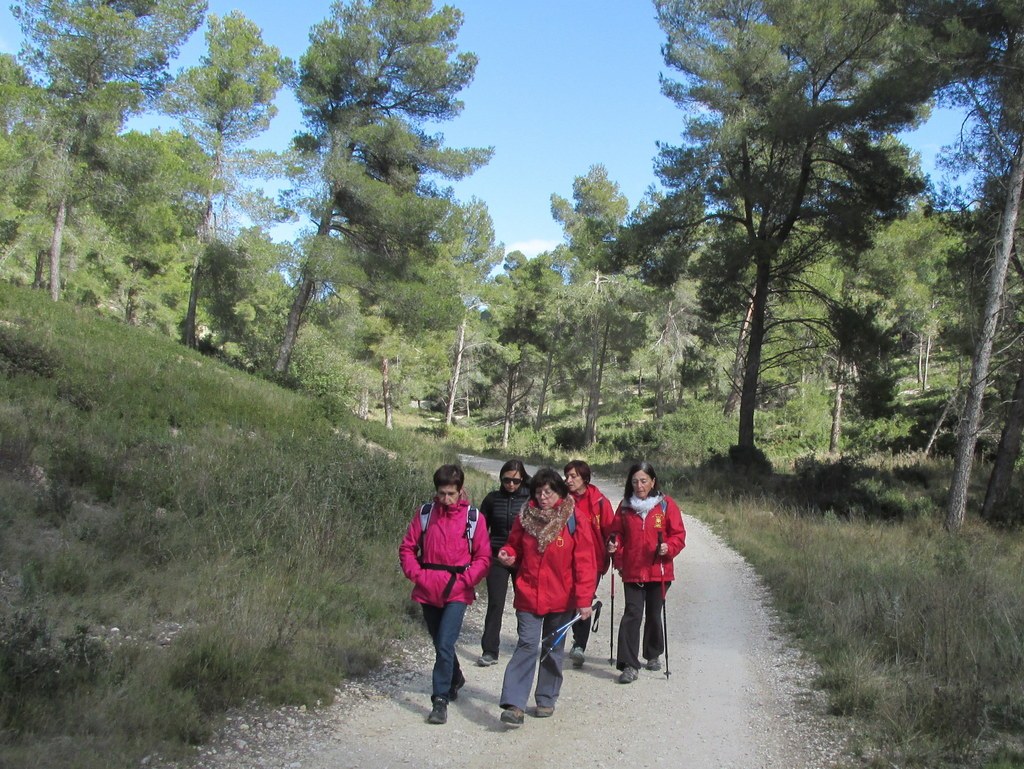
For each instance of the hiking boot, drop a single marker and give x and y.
(544, 711)
(487, 659)
(512, 716)
(439, 713)
(653, 664)
(577, 656)
(457, 683)
(628, 675)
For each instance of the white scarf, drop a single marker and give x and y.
(643, 506)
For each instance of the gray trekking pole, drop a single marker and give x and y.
(611, 625)
(664, 607)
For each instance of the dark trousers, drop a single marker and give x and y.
(581, 630)
(444, 624)
(498, 578)
(641, 598)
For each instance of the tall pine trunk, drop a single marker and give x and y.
(453, 384)
(1008, 451)
(303, 295)
(752, 363)
(549, 367)
(967, 434)
(56, 245)
(837, 411)
(510, 402)
(206, 235)
(736, 380)
(385, 386)
(291, 330)
(599, 351)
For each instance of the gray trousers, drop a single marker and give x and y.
(519, 673)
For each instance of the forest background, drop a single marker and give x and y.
(793, 314)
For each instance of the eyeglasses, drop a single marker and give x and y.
(513, 481)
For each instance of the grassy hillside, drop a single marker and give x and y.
(176, 536)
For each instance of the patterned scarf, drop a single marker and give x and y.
(544, 524)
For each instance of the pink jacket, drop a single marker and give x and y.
(445, 543)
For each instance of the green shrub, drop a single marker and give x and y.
(20, 355)
(37, 668)
(214, 667)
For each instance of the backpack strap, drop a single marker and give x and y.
(471, 517)
(425, 509)
(472, 514)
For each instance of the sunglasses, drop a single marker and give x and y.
(513, 481)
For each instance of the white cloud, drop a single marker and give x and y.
(532, 247)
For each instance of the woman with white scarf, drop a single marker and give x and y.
(646, 535)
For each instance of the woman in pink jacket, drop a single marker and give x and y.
(555, 577)
(646, 534)
(446, 552)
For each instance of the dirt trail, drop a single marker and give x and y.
(738, 695)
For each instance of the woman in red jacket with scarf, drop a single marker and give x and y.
(445, 555)
(646, 534)
(555, 577)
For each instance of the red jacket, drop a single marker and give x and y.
(562, 578)
(444, 542)
(637, 540)
(592, 506)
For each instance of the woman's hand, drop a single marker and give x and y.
(663, 549)
(506, 559)
(586, 611)
(613, 545)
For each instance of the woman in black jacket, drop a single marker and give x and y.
(500, 509)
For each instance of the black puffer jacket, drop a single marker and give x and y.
(500, 510)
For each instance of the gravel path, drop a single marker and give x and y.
(738, 696)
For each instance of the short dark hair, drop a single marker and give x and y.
(644, 467)
(582, 469)
(449, 475)
(548, 476)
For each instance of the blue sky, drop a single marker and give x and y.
(561, 85)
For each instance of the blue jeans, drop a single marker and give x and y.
(444, 625)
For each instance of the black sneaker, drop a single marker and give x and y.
(512, 716)
(628, 675)
(439, 713)
(457, 683)
(653, 664)
(487, 659)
